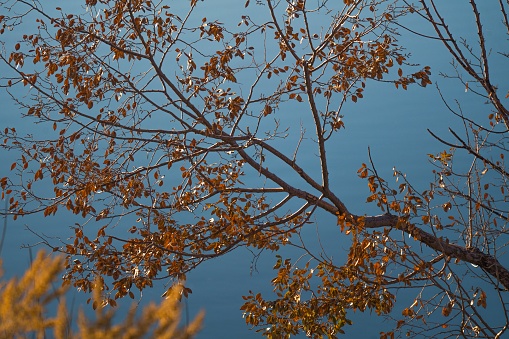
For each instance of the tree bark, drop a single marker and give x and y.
(473, 255)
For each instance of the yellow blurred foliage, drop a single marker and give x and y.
(24, 304)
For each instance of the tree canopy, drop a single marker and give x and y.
(164, 144)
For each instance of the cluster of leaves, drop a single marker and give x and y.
(314, 300)
(26, 302)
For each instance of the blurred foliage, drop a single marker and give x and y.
(26, 302)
